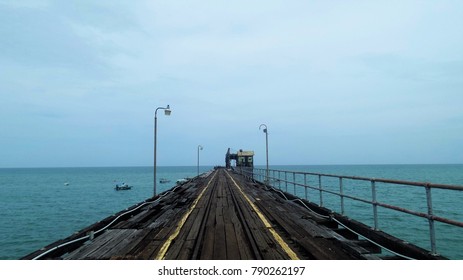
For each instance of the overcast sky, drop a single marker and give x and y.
(336, 82)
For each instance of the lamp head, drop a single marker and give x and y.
(167, 111)
(265, 127)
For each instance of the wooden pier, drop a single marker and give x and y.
(222, 215)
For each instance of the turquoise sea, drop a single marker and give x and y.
(37, 206)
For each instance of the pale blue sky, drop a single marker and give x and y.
(336, 82)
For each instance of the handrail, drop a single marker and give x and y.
(381, 180)
(258, 173)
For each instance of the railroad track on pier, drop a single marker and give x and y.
(229, 227)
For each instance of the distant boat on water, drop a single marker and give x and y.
(164, 180)
(123, 187)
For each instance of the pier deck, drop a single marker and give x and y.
(220, 215)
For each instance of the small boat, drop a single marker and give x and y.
(123, 187)
(164, 180)
(66, 184)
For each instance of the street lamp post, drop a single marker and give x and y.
(167, 112)
(266, 148)
(199, 148)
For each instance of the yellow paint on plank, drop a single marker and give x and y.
(291, 254)
(162, 253)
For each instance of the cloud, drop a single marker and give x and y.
(329, 79)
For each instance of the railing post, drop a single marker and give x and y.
(320, 188)
(432, 230)
(305, 186)
(294, 182)
(286, 181)
(342, 195)
(273, 178)
(375, 204)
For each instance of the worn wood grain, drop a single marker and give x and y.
(224, 216)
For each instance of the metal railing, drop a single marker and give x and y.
(324, 184)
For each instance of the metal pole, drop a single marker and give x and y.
(320, 188)
(155, 144)
(167, 112)
(286, 181)
(273, 178)
(266, 148)
(305, 186)
(199, 148)
(375, 204)
(294, 183)
(342, 195)
(432, 230)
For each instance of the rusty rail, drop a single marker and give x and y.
(279, 179)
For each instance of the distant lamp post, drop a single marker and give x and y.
(266, 149)
(199, 148)
(167, 112)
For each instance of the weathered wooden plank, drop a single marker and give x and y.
(220, 246)
(228, 210)
(179, 246)
(117, 238)
(301, 231)
(119, 246)
(244, 247)
(94, 245)
(233, 252)
(145, 246)
(207, 250)
(263, 238)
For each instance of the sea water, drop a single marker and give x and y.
(41, 205)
